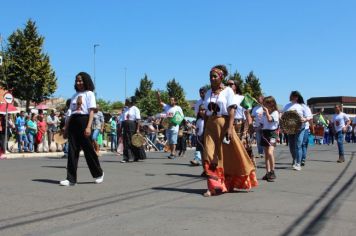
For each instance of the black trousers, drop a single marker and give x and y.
(131, 153)
(77, 141)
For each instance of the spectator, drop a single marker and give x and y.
(21, 132)
(52, 124)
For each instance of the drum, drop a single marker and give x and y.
(291, 122)
(138, 140)
(59, 139)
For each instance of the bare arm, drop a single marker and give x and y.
(231, 121)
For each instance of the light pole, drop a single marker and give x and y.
(95, 45)
(230, 72)
(125, 82)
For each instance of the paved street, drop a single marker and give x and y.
(164, 197)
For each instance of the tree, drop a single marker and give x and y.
(149, 105)
(117, 105)
(29, 74)
(252, 85)
(145, 88)
(104, 105)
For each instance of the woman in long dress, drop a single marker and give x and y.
(226, 161)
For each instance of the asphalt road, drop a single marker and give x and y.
(164, 197)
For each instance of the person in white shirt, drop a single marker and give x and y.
(295, 140)
(256, 115)
(202, 92)
(226, 162)
(307, 114)
(172, 131)
(242, 119)
(52, 128)
(199, 151)
(131, 126)
(270, 124)
(341, 122)
(78, 129)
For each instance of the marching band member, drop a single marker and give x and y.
(226, 161)
(131, 126)
(308, 127)
(242, 120)
(341, 122)
(78, 128)
(270, 123)
(172, 131)
(295, 140)
(256, 115)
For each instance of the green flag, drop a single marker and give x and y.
(322, 121)
(248, 102)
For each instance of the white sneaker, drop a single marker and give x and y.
(297, 167)
(100, 179)
(66, 183)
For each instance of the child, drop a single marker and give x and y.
(270, 122)
(113, 134)
(199, 136)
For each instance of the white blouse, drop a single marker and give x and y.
(132, 113)
(219, 103)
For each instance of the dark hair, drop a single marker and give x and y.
(200, 107)
(87, 82)
(273, 103)
(223, 69)
(237, 86)
(298, 95)
(68, 103)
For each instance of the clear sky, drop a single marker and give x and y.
(305, 45)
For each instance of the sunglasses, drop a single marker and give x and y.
(230, 84)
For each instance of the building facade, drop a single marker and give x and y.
(326, 105)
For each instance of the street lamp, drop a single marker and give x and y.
(95, 45)
(230, 72)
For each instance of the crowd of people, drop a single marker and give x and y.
(222, 134)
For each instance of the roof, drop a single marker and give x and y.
(337, 99)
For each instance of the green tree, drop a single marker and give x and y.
(29, 74)
(105, 106)
(149, 105)
(117, 105)
(144, 89)
(252, 85)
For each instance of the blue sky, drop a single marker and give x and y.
(305, 45)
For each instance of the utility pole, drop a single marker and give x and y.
(95, 45)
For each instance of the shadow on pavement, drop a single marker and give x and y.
(318, 222)
(59, 167)
(185, 175)
(177, 164)
(48, 181)
(183, 190)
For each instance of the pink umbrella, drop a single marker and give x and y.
(41, 106)
(10, 108)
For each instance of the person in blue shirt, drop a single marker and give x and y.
(21, 132)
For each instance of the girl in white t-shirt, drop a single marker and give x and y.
(199, 151)
(78, 128)
(270, 122)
